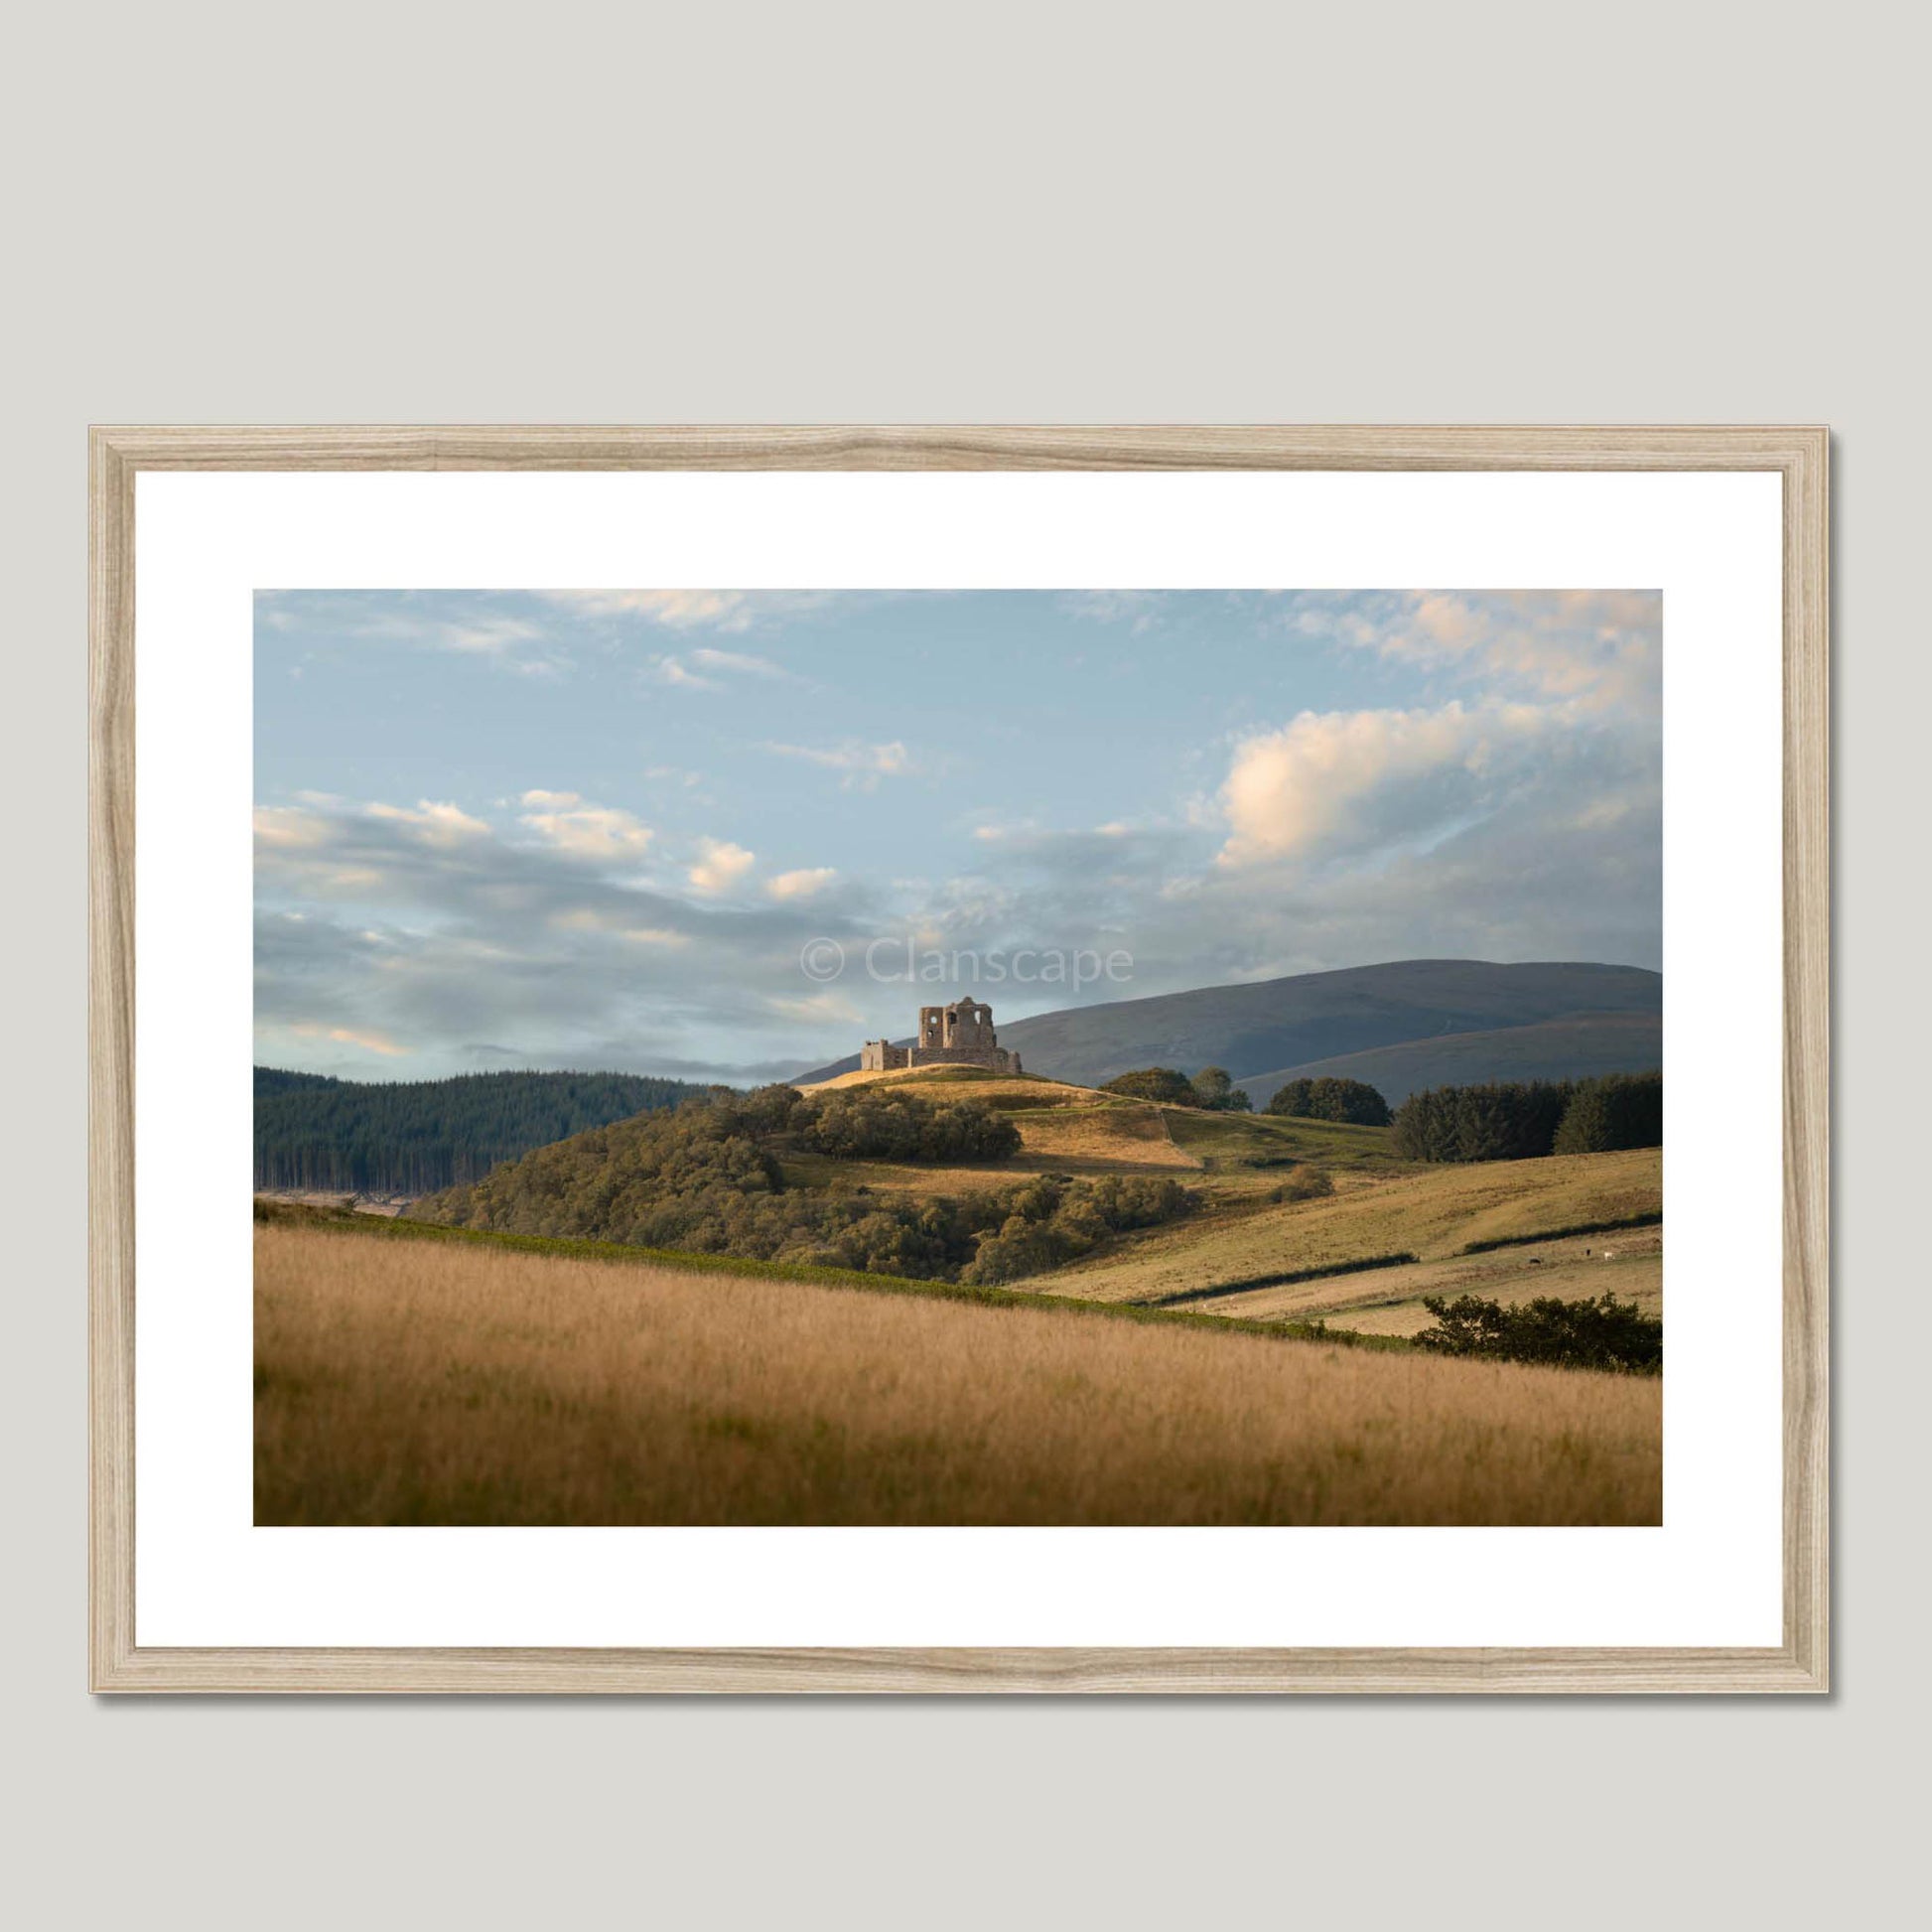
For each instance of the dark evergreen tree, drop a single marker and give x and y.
(1620, 1110)
(413, 1137)
(1505, 1121)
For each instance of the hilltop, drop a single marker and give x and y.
(1610, 1021)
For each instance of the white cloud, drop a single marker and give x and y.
(861, 766)
(709, 669)
(673, 671)
(714, 668)
(719, 866)
(803, 883)
(1601, 649)
(1139, 610)
(487, 636)
(1352, 781)
(287, 827)
(736, 660)
(677, 610)
(729, 611)
(581, 831)
(514, 643)
(432, 824)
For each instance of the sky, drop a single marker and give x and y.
(729, 835)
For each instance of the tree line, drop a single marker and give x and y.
(1213, 1088)
(314, 1132)
(1522, 1120)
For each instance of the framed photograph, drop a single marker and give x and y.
(972, 1059)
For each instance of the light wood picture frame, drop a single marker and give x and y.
(1799, 1663)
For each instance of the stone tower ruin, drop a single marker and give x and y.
(960, 1034)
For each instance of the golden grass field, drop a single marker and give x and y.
(1628, 1263)
(1430, 1212)
(425, 1382)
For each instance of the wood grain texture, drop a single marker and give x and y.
(111, 1059)
(1799, 1664)
(1153, 446)
(1807, 1059)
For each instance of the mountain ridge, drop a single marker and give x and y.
(1304, 1019)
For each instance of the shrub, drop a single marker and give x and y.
(1214, 1089)
(1351, 1101)
(1605, 1333)
(1054, 1220)
(1620, 1110)
(1166, 1084)
(1304, 1183)
(888, 1126)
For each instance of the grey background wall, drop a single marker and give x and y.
(1035, 212)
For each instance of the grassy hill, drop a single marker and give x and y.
(1550, 1049)
(1276, 1220)
(1376, 1215)
(1295, 1023)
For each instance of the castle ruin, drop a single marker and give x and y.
(960, 1034)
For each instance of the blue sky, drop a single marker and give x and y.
(599, 828)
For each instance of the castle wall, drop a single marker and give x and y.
(995, 1059)
(960, 1034)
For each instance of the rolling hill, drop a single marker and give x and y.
(1128, 1202)
(1303, 1023)
(1549, 1050)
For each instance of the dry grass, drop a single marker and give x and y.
(1429, 1212)
(413, 1382)
(1629, 1264)
(1130, 1137)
